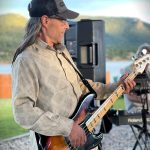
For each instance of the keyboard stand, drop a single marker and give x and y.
(140, 140)
(143, 135)
(137, 138)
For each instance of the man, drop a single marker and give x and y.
(46, 88)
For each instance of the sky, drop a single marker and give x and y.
(115, 8)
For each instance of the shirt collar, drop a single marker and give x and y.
(57, 47)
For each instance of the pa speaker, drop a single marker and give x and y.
(91, 50)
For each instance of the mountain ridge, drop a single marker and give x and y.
(122, 35)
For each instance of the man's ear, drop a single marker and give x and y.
(44, 20)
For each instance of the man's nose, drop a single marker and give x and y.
(66, 25)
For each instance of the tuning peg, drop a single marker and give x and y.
(144, 51)
(133, 58)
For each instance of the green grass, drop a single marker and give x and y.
(8, 127)
(119, 104)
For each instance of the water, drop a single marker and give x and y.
(113, 67)
(5, 69)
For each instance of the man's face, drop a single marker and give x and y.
(56, 29)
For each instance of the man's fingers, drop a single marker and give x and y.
(129, 85)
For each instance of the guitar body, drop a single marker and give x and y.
(60, 143)
(79, 116)
(56, 143)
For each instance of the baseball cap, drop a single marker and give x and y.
(38, 8)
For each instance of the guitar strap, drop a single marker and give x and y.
(85, 82)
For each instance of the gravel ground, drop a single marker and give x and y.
(122, 138)
(119, 138)
(16, 143)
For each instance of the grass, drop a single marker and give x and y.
(119, 104)
(8, 127)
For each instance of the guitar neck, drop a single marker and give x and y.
(99, 113)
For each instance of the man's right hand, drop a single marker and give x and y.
(77, 136)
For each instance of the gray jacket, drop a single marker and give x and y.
(46, 90)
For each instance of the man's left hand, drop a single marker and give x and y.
(129, 84)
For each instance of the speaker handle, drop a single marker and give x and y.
(95, 53)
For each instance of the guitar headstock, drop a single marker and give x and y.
(140, 64)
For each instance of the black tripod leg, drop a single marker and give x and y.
(137, 139)
(148, 134)
(145, 141)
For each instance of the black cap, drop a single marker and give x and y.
(38, 8)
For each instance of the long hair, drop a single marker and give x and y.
(32, 29)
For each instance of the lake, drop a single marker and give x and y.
(113, 67)
(5, 69)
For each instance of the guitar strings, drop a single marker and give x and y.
(69, 144)
(131, 76)
(86, 131)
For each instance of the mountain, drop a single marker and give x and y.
(11, 33)
(122, 35)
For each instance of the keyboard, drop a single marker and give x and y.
(122, 117)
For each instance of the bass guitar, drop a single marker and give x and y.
(88, 121)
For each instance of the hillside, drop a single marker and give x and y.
(11, 33)
(122, 35)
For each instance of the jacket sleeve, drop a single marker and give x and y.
(25, 95)
(102, 90)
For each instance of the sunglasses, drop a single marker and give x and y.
(57, 17)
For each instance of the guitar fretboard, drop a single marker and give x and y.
(99, 113)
